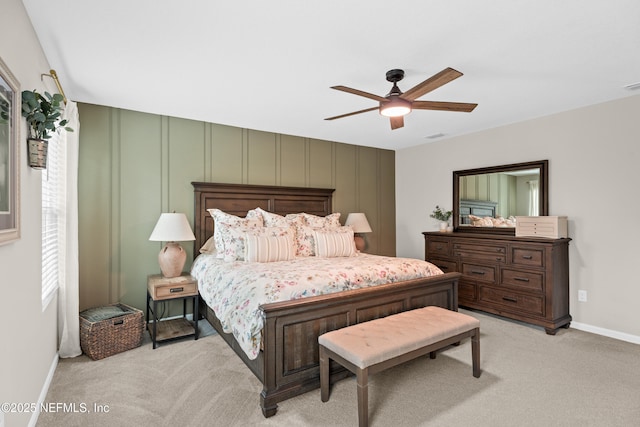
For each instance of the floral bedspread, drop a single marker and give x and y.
(235, 290)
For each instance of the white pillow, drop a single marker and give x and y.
(235, 239)
(209, 247)
(229, 244)
(329, 221)
(268, 248)
(335, 243)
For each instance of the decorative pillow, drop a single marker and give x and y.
(315, 221)
(271, 219)
(306, 240)
(335, 243)
(291, 220)
(269, 248)
(226, 241)
(254, 214)
(235, 239)
(209, 247)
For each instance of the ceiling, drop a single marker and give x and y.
(269, 65)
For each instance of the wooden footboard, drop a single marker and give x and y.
(288, 365)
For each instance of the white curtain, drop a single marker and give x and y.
(534, 197)
(68, 292)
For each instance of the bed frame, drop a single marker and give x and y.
(288, 364)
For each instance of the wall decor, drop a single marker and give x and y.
(9, 152)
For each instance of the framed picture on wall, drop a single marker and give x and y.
(10, 109)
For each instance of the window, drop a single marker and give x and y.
(53, 217)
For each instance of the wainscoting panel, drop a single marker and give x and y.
(292, 159)
(134, 166)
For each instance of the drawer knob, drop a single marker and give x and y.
(175, 290)
(527, 256)
(510, 299)
(477, 272)
(521, 279)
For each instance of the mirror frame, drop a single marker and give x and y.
(543, 165)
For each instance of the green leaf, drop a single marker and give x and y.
(28, 95)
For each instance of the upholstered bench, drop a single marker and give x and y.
(373, 346)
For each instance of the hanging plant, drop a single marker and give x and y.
(43, 113)
(44, 117)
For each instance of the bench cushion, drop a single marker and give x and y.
(375, 341)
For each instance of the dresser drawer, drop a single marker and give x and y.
(472, 248)
(483, 273)
(523, 279)
(445, 266)
(532, 257)
(512, 301)
(480, 252)
(438, 247)
(467, 292)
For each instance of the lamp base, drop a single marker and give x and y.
(360, 243)
(171, 259)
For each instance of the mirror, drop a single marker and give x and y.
(487, 200)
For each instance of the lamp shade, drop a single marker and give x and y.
(172, 227)
(359, 223)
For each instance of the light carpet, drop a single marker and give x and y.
(528, 378)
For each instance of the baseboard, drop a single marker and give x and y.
(606, 332)
(43, 393)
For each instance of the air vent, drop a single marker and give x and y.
(633, 86)
(435, 135)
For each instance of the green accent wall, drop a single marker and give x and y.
(134, 166)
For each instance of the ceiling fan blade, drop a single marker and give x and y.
(464, 107)
(361, 93)
(432, 83)
(351, 114)
(397, 122)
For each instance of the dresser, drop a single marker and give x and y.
(522, 278)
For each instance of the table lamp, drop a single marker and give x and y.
(358, 221)
(172, 228)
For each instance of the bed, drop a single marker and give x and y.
(287, 363)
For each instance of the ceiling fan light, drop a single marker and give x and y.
(396, 107)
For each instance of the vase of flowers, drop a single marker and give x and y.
(442, 216)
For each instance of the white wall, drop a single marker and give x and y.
(28, 334)
(593, 162)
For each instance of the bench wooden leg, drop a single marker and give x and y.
(324, 375)
(363, 397)
(475, 352)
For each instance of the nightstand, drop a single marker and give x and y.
(162, 289)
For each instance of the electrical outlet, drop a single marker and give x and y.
(582, 296)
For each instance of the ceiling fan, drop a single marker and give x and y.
(396, 104)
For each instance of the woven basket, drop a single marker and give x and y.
(104, 338)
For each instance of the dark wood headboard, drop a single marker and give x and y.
(238, 199)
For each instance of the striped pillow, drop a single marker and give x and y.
(331, 244)
(269, 248)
